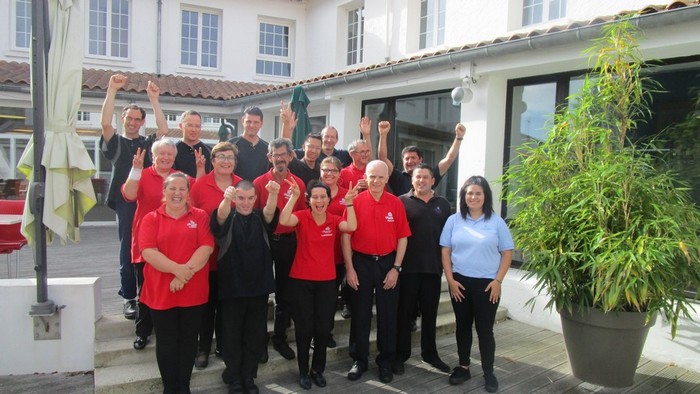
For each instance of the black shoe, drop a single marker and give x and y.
(437, 364)
(217, 352)
(459, 375)
(305, 381)
(283, 348)
(331, 343)
(202, 360)
(345, 312)
(130, 309)
(264, 356)
(140, 342)
(236, 387)
(398, 368)
(385, 374)
(356, 371)
(317, 378)
(250, 387)
(491, 383)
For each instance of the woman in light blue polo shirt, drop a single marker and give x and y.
(477, 249)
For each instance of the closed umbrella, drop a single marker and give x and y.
(299, 103)
(68, 190)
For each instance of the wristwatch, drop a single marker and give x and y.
(397, 268)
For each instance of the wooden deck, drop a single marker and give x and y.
(528, 359)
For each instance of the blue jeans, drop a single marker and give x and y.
(125, 218)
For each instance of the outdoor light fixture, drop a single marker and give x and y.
(464, 93)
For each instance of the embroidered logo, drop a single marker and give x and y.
(288, 194)
(342, 201)
(389, 217)
(327, 232)
(192, 224)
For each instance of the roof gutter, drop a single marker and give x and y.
(546, 40)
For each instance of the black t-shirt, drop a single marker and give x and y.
(342, 155)
(185, 160)
(426, 220)
(120, 151)
(252, 159)
(244, 263)
(400, 182)
(302, 170)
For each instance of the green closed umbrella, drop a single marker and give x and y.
(299, 104)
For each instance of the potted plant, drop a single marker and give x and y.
(607, 234)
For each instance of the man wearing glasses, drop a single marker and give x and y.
(120, 150)
(308, 167)
(283, 242)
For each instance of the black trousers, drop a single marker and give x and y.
(211, 318)
(144, 323)
(313, 309)
(478, 309)
(125, 217)
(424, 290)
(244, 325)
(371, 274)
(176, 347)
(283, 249)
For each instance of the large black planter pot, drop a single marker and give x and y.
(604, 348)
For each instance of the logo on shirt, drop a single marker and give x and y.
(192, 224)
(327, 232)
(342, 201)
(389, 217)
(288, 194)
(438, 210)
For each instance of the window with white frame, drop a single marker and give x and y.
(432, 23)
(23, 24)
(172, 118)
(108, 28)
(199, 43)
(83, 116)
(534, 11)
(211, 120)
(356, 32)
(274, 52)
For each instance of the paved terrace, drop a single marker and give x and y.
(528, 359)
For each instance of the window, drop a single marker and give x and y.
(199, 44)
(534, 10)
(23, 24)
(356, 32)
(274, 57)
(83, 116)
(172, 118)
(211, 120)
(432, 23)
(108, 28)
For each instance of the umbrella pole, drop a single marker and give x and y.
(40, 44)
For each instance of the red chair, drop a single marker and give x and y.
(11, 238)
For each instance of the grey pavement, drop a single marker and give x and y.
(528, 359)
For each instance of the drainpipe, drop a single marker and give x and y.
(389, 27)
(158, 37)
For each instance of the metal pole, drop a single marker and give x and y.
(40, 46)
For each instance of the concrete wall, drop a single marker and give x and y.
(21, 354)
(683, 351)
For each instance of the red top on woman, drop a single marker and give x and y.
(315, 256)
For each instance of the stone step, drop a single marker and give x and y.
(141, 374)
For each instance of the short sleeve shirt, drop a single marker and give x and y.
(284, 195)
(252, 159)
(350, 174)
(185, 160)
(476, 245)
(401, 183)
(315, 255)
(380, 224)
(426, 219)
(177, 239)
(120, 151)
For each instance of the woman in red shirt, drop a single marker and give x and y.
(206, 194)
(176, 243)
(312, 276)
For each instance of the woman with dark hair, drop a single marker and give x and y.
(312, 276)
(176, 243)
(477, 249)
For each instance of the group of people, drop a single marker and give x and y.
(208, 234)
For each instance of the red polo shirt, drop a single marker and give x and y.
(282, 197)
(177, 239)
(207, 195)
(337, 207)
(148, 198)
(350, 174)
(315, 256)
(380, 224)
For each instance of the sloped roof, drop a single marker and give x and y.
(14, 73)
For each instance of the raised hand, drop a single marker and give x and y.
(365, 127)
(152, 90)
(293, 187)
(384, 127)
(118, 81)
(230, 193)
(199, 158)
(460, 130)
(352, 193)
(272, 187)
(137, 162)
(288, 116)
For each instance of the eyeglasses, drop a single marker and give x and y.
(279, 155)
(225, 158)
(330, 170)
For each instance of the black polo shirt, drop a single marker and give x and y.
(120, 151)
(185, 160)
(400, 181)
(252, 159)
(426, 221)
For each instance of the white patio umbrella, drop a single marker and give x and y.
(68, 191)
